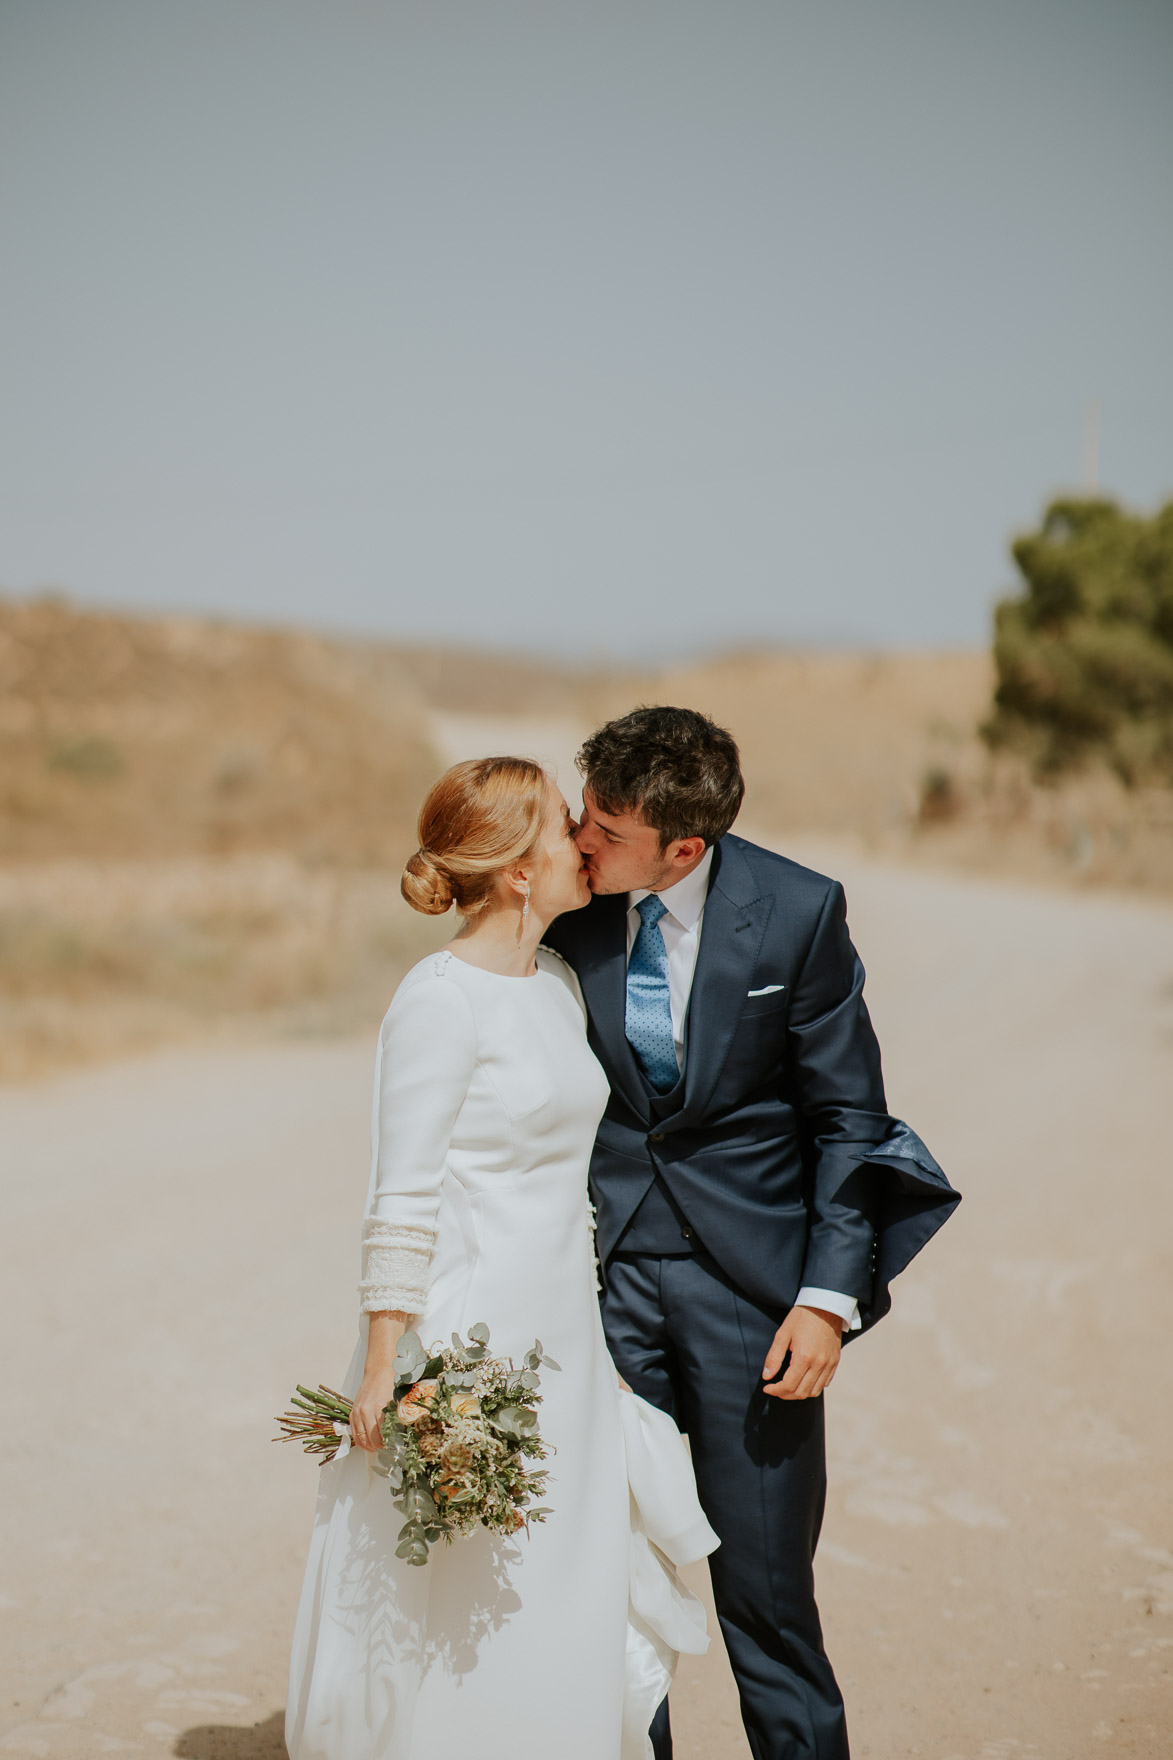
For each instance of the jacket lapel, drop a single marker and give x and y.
(732, 929)
(601, 965)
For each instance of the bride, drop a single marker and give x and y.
(558, 1641)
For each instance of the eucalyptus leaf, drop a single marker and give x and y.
(414, 1496)
(480, 1332)
(406, 1549)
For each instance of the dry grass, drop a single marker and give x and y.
(99, 958)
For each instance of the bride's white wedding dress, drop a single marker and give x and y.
(559, 1642)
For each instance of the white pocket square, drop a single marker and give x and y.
(766, 990)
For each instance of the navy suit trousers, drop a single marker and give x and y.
(689, 1342)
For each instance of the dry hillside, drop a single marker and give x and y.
(163, 737)
(842, 742)
(202, 823)
(884, 749)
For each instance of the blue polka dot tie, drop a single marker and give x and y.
(649, 1007)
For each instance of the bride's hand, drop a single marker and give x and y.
(366, 1414)
(385, 1329)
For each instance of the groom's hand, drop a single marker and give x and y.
(814, 1339)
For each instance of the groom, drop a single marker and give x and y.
(754, 1196)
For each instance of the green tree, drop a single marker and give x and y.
(1084, 655)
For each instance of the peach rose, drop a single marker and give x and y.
(451, 1485)
(465, 1405)
(417, 1402)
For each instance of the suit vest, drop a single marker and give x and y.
(659, 1225)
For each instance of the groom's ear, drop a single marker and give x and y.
(684, 851)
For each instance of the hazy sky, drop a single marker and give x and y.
(602, 328)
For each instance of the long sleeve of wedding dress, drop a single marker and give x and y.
(427, 1054)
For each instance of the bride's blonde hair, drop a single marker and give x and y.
(481, 817)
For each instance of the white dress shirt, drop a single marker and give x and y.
(680, 926)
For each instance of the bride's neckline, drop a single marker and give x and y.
(507, 977)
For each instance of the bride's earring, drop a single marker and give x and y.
(524, 913)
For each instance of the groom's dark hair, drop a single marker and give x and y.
(674, 767)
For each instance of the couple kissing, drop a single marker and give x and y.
(647, 1033)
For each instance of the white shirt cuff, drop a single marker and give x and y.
(845, 1306)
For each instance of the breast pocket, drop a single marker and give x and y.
(759, 1042)
(772, 1002)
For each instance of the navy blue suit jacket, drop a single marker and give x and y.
(778, 1145)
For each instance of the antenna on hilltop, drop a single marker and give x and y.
(1091, 448)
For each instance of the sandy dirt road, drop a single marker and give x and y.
(996, 1574)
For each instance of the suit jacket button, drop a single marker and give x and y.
(687, 1232)
(657, 1136)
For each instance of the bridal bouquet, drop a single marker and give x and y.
(457, 1435)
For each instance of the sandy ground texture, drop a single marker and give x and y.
(996, 1573)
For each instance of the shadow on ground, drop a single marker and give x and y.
(232, 1741)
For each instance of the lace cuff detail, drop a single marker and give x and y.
(396, 1267)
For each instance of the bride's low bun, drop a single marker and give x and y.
(426, 886)
(479, 818)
